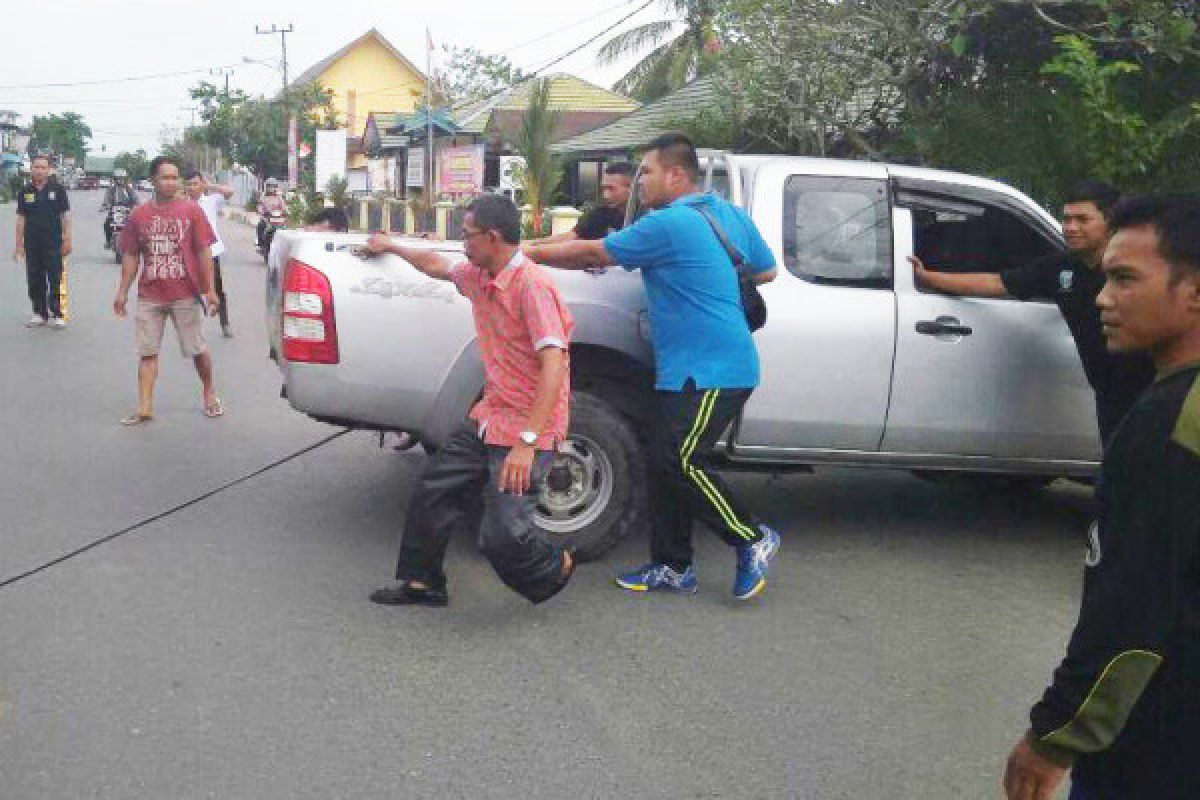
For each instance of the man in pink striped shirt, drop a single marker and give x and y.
(507, 445)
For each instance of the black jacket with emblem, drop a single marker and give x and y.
(1124, 706)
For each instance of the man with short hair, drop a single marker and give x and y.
(506, 447)
(707, 365)
(331, 220)
(609, 216)
(43, 240)
(169, 238)
(1072, 279)
(1123, 709)
(211, 197)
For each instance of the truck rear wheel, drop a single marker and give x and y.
(595, 494)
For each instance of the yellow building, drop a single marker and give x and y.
(367, 75)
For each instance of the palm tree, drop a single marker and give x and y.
(542, 171)
(685, 47)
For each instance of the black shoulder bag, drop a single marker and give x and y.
(753, 305)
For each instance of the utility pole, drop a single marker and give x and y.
(287, 122)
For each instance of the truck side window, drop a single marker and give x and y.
(980, 239)
(838, 230)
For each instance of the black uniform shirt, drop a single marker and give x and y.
(1125, 702)
(1062, 277)
(598, 222)
(43, 210)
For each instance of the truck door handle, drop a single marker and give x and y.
(943, 326)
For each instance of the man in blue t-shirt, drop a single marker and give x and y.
(707, 365)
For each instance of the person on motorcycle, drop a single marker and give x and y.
(270, 202)
(119, 194)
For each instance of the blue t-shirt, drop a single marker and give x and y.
(697, 325)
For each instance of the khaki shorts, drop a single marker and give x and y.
(188, 318)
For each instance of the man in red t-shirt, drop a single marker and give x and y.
(169, 238)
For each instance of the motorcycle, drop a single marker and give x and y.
(117, 217)
(275, 221)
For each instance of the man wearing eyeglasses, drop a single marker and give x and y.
(507, 445)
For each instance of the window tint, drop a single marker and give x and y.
(976, 238)
(838, 230)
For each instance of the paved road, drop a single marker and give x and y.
(228, 651)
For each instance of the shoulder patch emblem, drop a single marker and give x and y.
(1066, 280)
(1187, 427)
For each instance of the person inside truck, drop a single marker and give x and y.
(706, 361)
(506, 446)
(1072, 279)
(609, 216)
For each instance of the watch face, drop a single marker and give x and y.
(528, 437)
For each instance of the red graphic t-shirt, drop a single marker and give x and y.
(167, 237)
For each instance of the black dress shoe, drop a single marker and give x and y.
(401, 593)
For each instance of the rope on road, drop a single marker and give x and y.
(173, 510)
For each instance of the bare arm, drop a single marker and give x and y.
(515, 474)
(129, 270)
(565, 236)
(579, 254)
(972, 284)
(19, 241)
(430, 262)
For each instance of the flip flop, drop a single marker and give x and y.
(136, 418)
(214, 409)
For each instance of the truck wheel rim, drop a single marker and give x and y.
(581, 503)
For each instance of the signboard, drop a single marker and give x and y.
(331, 157)
(415, 174)
(460, 169)
(510, 168)
(379, 174)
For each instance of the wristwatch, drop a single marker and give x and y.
(529, 438)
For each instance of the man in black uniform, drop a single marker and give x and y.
(1072, 279)
(43, 239)
(609, 216)
(1124, 705)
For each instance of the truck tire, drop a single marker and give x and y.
(595, 495)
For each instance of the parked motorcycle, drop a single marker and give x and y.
(275, 220)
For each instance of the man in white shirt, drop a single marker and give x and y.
(211, 197)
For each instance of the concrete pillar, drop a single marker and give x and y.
(442, 217)
(385, 216)
(563, 219)
(363, 218)
(410, 219)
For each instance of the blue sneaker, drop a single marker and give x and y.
(752, 562)
(656, 577)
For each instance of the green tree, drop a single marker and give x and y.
(253, 130)
(137, 164)
(471, 75)
(63, 134)
(684, 46)
(543, 171)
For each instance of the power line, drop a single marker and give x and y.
(610, 28)
(114, 80)
(567, 27)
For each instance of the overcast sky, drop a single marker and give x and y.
(73, 41)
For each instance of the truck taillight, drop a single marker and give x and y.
(309, 330)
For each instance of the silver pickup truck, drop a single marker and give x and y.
(860, 366)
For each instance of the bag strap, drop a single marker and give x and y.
(735, 255)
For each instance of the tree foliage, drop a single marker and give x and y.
(543, 171)
(470, 75)
(62, 134)
(137, 164)
(253, 130)
(683, 46)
